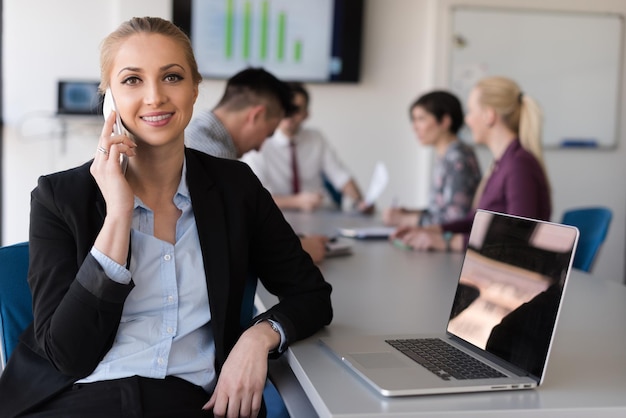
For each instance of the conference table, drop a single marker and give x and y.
(382, 289)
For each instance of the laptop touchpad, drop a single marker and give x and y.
(377, 360)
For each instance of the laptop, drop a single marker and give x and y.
(502, 319)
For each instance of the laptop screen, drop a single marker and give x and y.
(510, 287)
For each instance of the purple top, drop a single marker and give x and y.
(517, 186)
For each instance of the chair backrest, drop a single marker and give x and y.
(334, 194)
(15, 298)
(593, 224)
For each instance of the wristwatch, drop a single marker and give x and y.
(274, 325)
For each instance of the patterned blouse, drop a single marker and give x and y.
(456, 175)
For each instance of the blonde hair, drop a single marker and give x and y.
(150, 25)
(519, 112)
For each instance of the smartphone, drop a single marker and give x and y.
(118, 128)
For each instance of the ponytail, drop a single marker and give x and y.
(530, 124)
(519, 112)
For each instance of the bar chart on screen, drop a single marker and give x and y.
(283, 35)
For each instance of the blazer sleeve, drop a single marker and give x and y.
(76, 307)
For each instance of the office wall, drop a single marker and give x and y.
(578, 177)
(404, 55)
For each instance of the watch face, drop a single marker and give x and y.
(274, 326)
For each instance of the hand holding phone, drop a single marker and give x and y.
(118, 128)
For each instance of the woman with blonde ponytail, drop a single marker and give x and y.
(509, 123)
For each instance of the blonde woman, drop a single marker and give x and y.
(509, 122)
(138, 276)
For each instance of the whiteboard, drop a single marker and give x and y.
(569, 62)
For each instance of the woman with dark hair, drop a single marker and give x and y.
(508, 122)
(437, 118)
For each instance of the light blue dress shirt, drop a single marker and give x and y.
(165, 325)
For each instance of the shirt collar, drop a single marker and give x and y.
(182, 193)
(281, 139)
(183, 190)
(508, 153)
(510, 150)
(221, 134)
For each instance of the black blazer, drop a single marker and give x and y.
(77, 308)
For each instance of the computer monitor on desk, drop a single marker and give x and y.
(78, 98)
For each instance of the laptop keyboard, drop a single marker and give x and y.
(443, 359)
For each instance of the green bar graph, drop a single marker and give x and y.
(297, 51)
(282, 28)
(265, 10)
(245, 17)
(229, 27)
(247, 29)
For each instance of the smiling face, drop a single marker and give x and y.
(153, 87)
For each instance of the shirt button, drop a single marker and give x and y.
(167, 257)
(160, 361)
(170, 299)
(170, 330)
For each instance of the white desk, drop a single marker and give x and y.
(382, 289)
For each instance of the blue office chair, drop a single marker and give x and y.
(15, 299)
(593, 224)
(16, 313)
(335, 195)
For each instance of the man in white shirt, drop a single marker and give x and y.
(300, 184)
(253, 104)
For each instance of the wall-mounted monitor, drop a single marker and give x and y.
(304, 40)
(78, 98)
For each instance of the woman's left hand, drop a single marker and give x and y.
(239, 389)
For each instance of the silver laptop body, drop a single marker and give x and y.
(504, 314)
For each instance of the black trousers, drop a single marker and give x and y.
(131, 397)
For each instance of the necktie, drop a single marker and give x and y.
(295, 180)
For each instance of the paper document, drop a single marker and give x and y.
(379, 181)
(368, 232)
